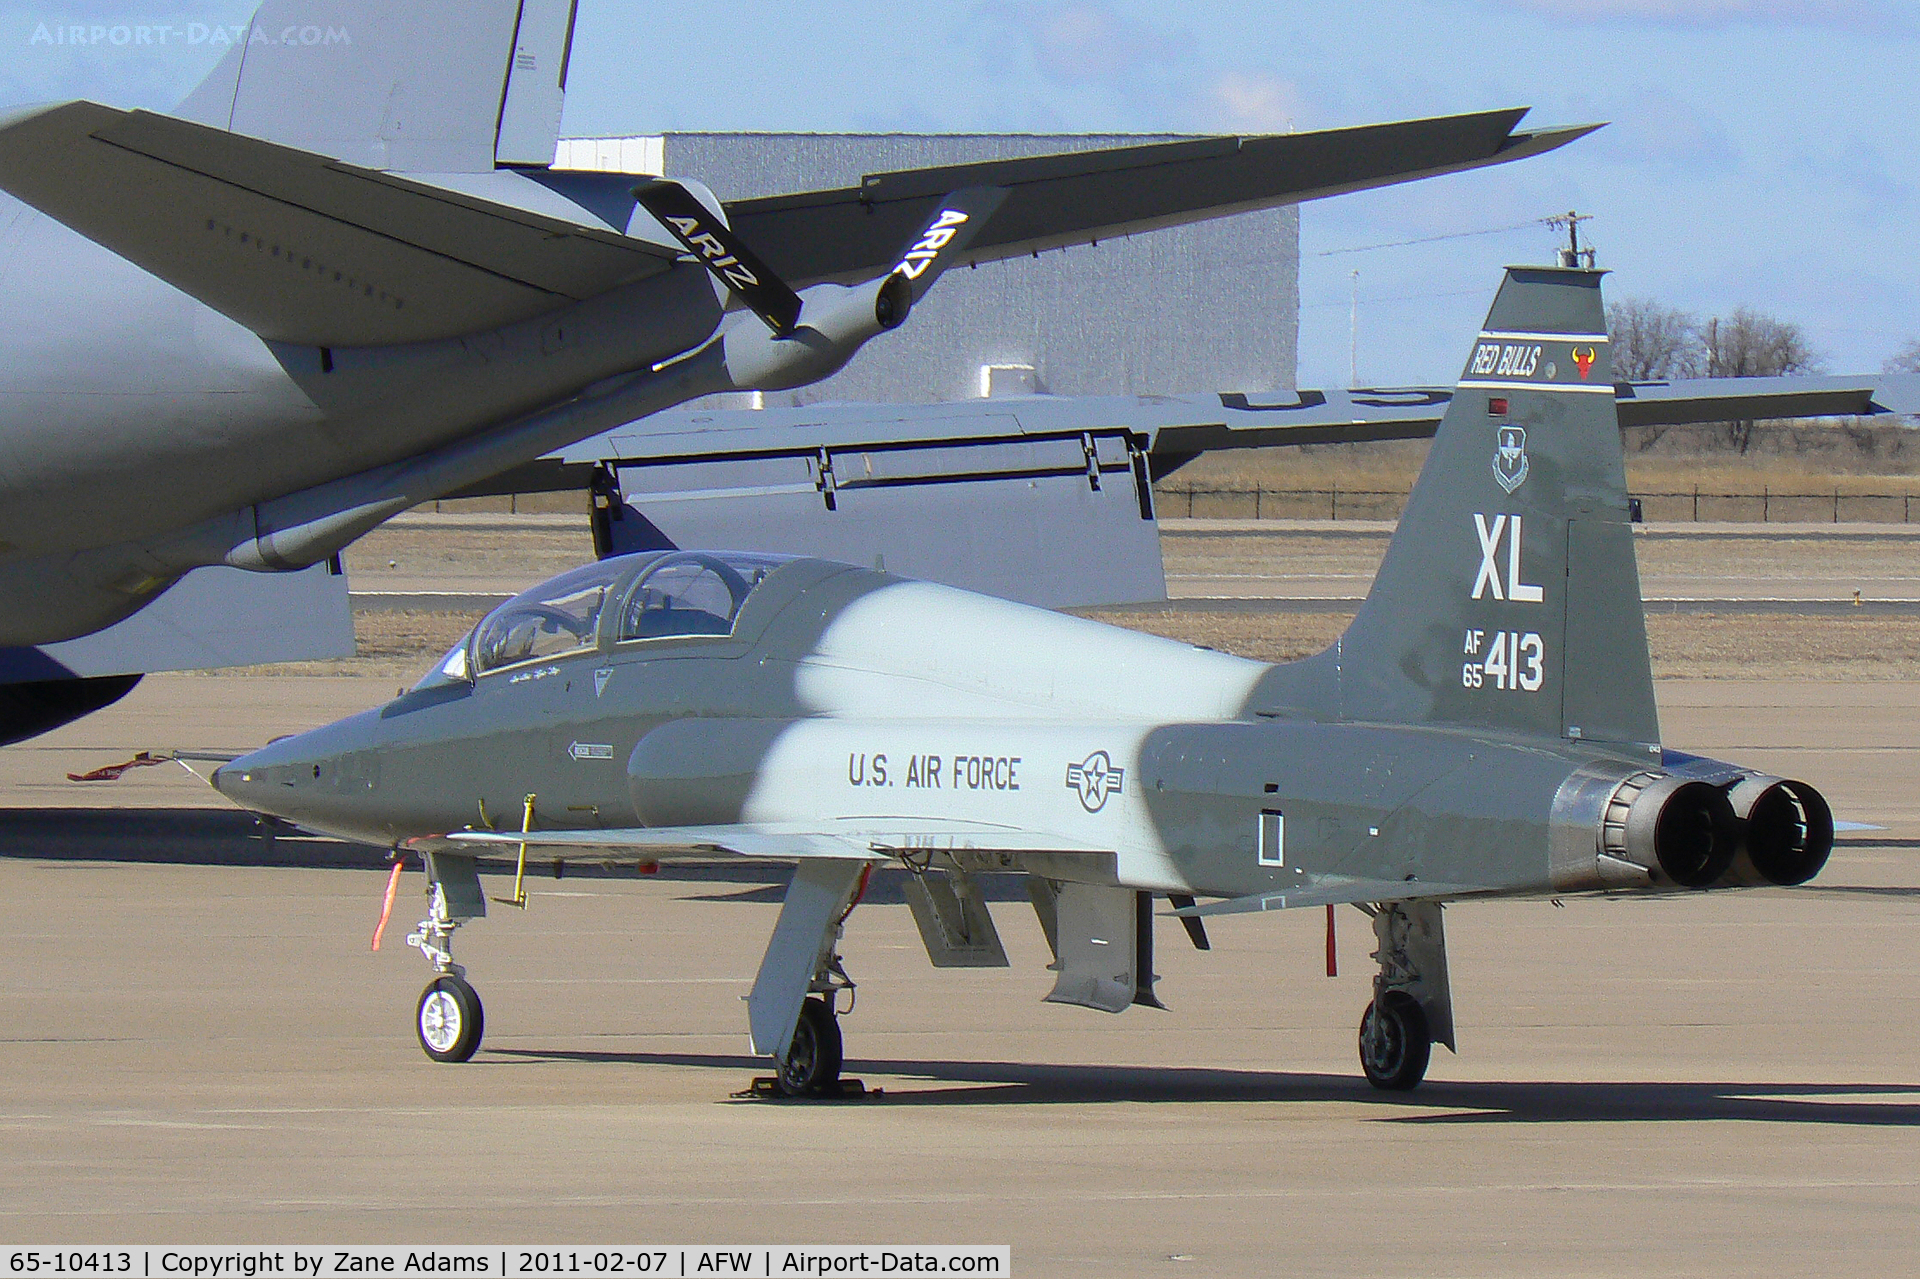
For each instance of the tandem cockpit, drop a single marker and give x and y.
(654, 595)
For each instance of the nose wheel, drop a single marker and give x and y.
(811, 1067)
(450, 1019)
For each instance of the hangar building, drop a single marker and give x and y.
(1210, 307)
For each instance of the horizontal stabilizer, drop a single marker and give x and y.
(298, 247)
(1085, 196)
(1335, 890)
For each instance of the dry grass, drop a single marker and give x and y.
(398, 647)
(1682, 646)
(393, 646)
(1264, 637)
(1392, 466)
(1783, 647)
(1283, 552)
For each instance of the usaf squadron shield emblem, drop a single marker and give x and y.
(1510, 459)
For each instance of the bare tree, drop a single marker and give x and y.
(1905, 360)
(1749, 344)
(1651, 342)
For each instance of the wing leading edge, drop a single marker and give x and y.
(1086, 196)
(780, 841)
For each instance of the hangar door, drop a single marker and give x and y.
(1055, 520)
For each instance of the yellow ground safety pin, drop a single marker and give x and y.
(519, 898)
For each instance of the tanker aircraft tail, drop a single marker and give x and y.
(1509, 598)
(433, 86)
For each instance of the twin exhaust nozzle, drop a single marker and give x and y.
(1696, 834)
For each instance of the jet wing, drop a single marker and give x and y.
(780, 841)
(1335, 890)
(1174, 429)
(299, 247)
(1083, 197)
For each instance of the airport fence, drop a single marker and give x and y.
(1768, 506)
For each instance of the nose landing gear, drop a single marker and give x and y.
(449, 1019)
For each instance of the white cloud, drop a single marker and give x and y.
(1660, 130)
(1084, 41)
(1254, 101)
(1855, 15)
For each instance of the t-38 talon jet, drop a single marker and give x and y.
(342, 279)
(1485, 728)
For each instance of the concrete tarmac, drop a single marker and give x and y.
(207, 1050)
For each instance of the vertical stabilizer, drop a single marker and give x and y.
(536, 84)
(428, 86)
(1509, 598)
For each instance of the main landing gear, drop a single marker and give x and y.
(791, 1011)
(1412, 1006)
(811, 1067)
(449, 1019)
(1395, 1044)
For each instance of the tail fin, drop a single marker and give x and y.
(426, 86)
(1509, 598)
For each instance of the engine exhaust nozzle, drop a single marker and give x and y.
(1788, 832)
(1684, 829)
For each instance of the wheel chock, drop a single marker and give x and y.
(766, 1088)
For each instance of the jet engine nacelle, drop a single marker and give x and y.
(1706, 826)
(1676, 827)
(1787, 831)
(835, 322)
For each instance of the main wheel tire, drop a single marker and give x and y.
(812, 1064)
(1395, 1045)
(449, 1020)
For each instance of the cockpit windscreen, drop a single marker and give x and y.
(558, 616)
(693, 593)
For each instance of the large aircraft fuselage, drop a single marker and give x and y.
(129, 410)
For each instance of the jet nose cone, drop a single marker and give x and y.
(325, 779)
(241, 781)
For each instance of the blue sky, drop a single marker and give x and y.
(1761, 152)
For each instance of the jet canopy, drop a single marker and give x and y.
(651, 595)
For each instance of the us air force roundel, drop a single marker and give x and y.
(1095, 778)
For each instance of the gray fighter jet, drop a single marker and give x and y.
(342, 279)
(1485, 728)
